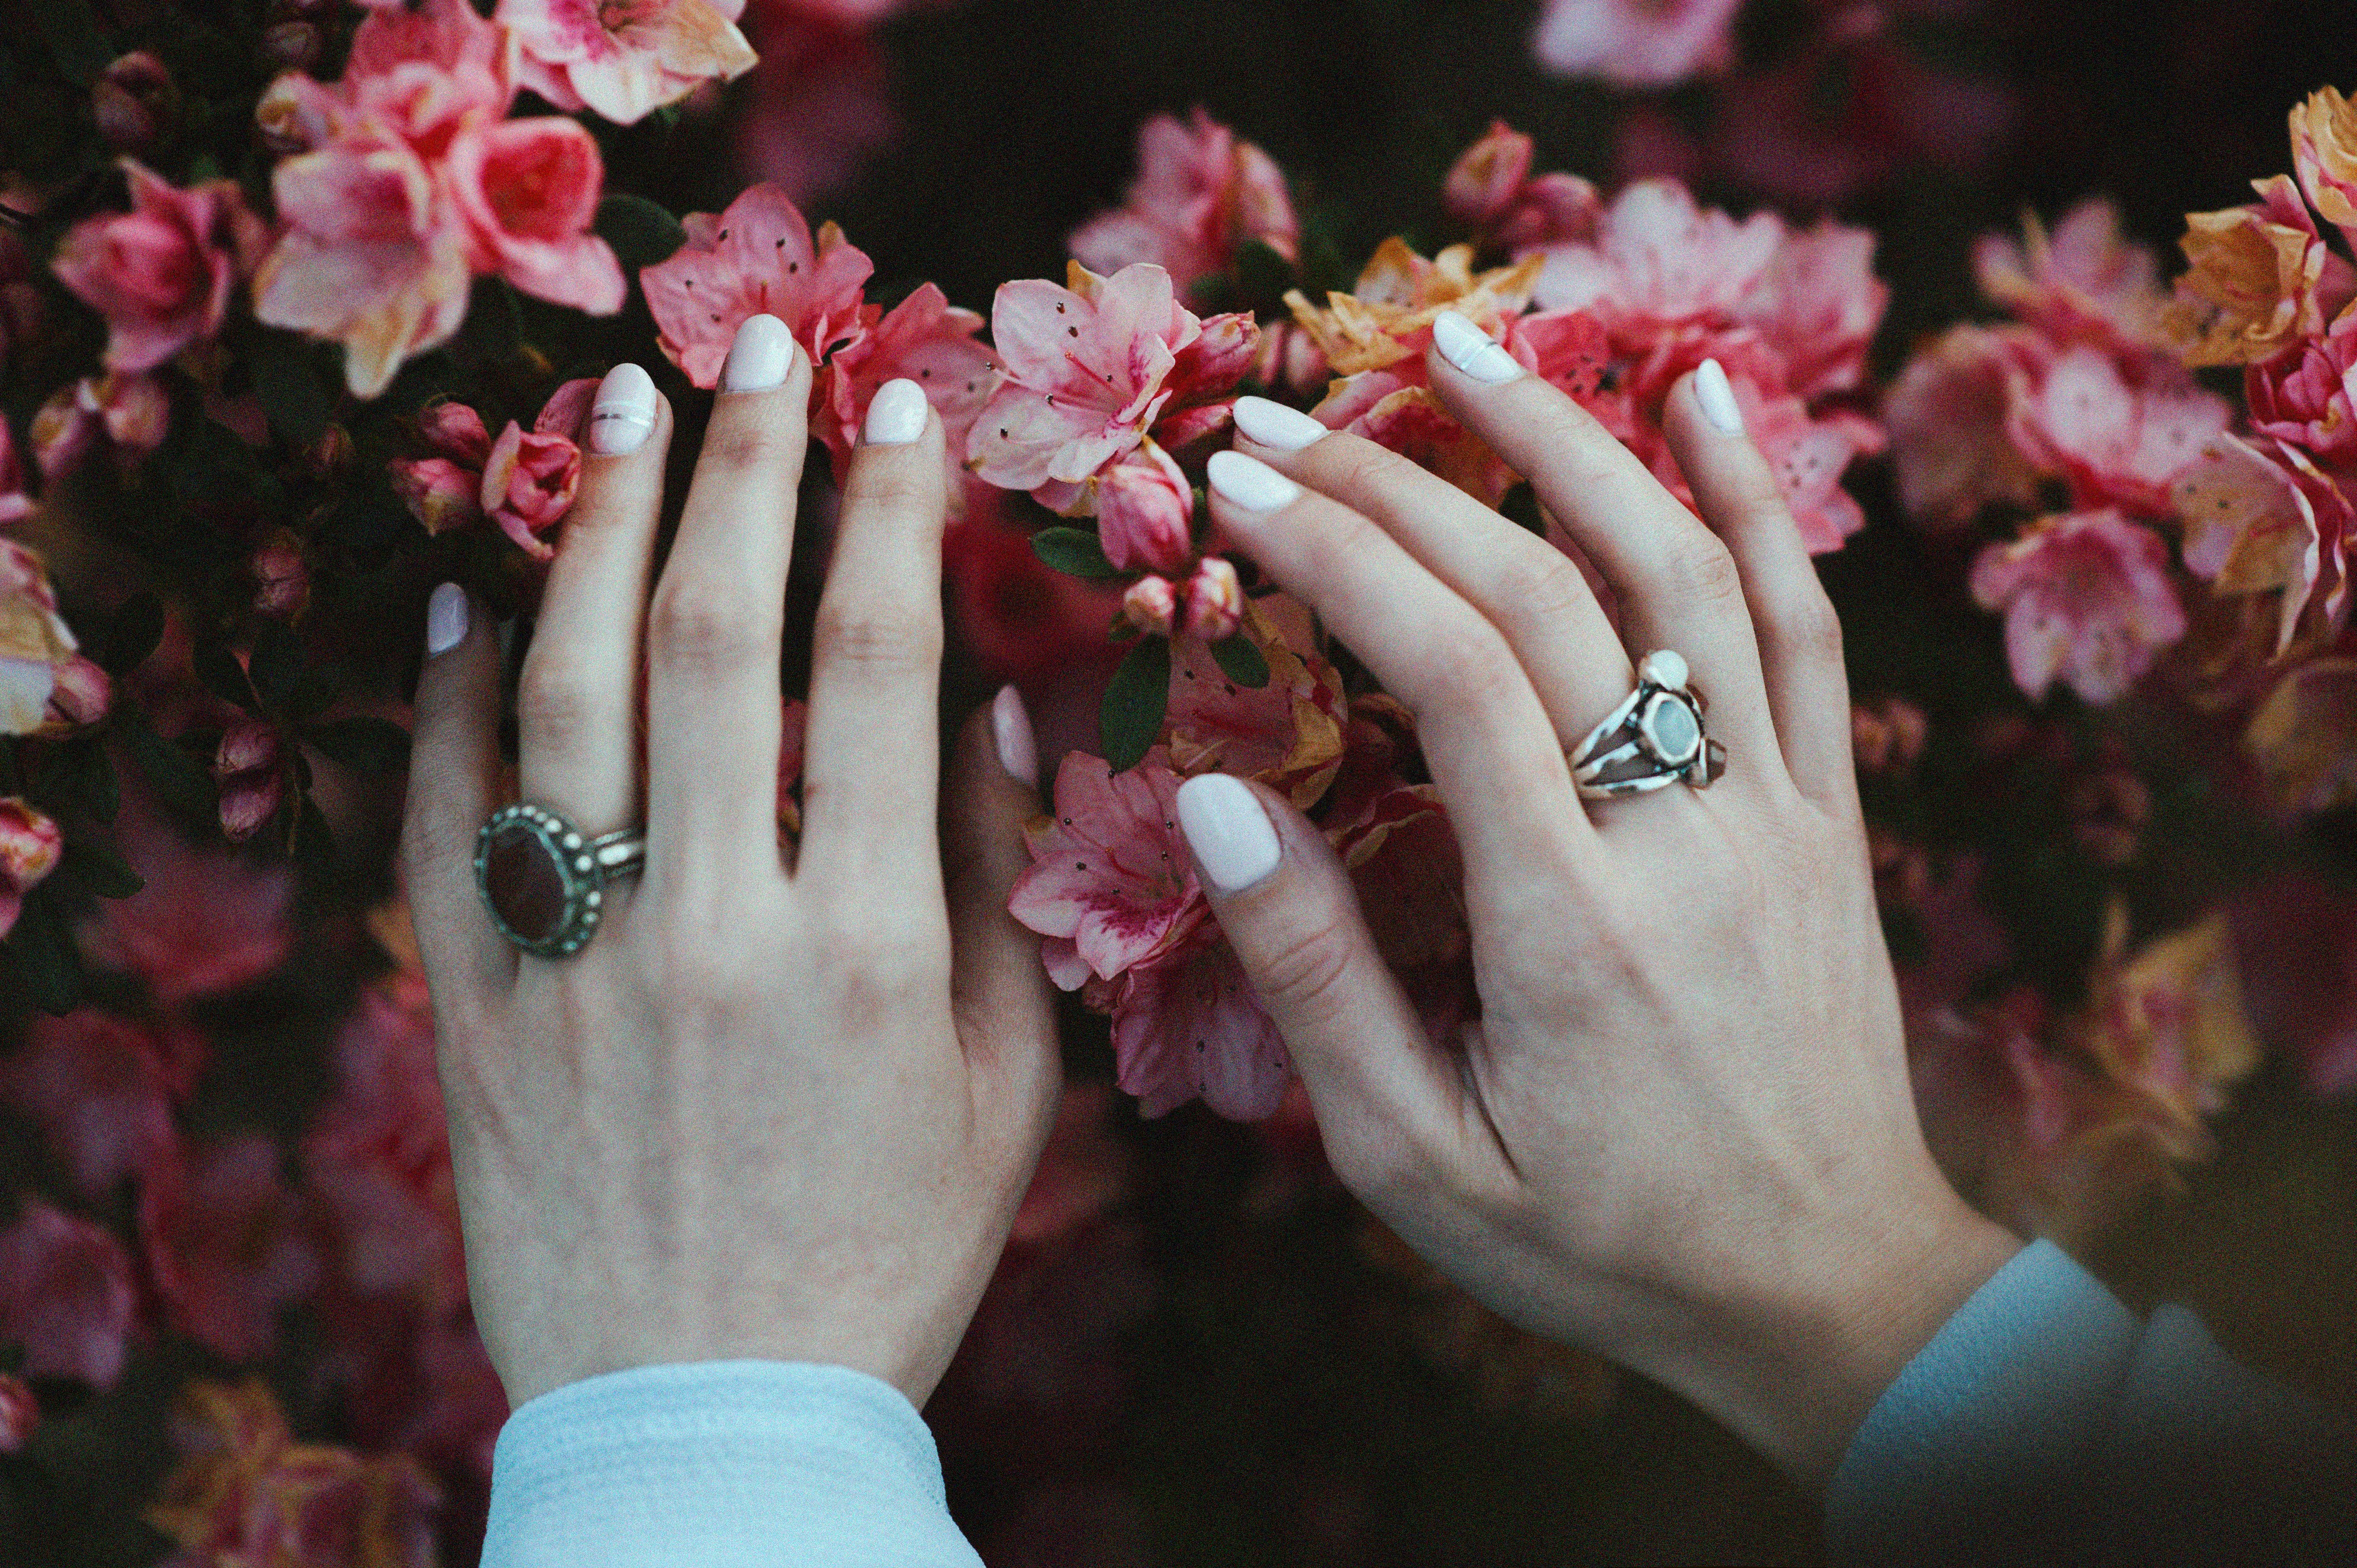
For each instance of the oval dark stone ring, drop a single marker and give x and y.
(544, 880)
(1653, 738)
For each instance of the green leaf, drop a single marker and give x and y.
(1263, 275)
(131, 636)
(223, 676)
(311, 844)
(41, 952)
(363, 743)
(640, 232)
(185, 783)
(98, 867)
(1241, 661)
(1074, 551)
(1131, 718)
(299, 402)
(275, 663)
(78, 45)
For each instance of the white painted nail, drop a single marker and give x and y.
(624, 414)
(897, 413)
(759, 356)
(1717, 398)
(1233, 840)
(1273, 424)
(446, 618)
(1472, 350)
(1249, 483)
(1010, 727)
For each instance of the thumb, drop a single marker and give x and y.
(1390, 1103)
(1000, 999)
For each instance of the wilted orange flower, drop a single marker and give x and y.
(2262, 279)
(2169, 1022)
(2324, 152)
(1388, 314)
(2303, 737)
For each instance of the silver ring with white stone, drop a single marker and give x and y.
(544, 880)
(1653, 738)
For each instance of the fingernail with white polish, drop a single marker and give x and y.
(1010, 727)
(1233, 840)
(1273, 424)
(446, 618)
(897, 413)
(759, 357)
(624, 414)
(1249, 483)
(1717, 398)
(1472, 350)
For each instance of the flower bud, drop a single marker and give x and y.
(1215, 600)
(529, 482)
(293, 45)
(134, 103)
(331, 453)
(1151, 605)
(438, 492)
(1485, 180)
(31, 845)
(135, 410)
(454, 430)
(1146, 510)
(251, 786)
(63, 432)
(80, 697)
(283, 581)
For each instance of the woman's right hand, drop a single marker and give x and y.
(1680, 1133)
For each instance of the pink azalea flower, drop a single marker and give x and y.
(1658, 261)
(2117, 445)
(378, 1154)
(625, 59)
(1490, 189)
(30, 845)
(1817, 303)
(756, 258)
(529, 482)
(16, 506)
(2087, 599)
(101, 1089)
(1948, 417)
(1636, 43)
(2303, 396)
(527, 191)
(66, 1295)
(225, 1244)
(206, 922)
(923, 338)
(1192, 1026)
(2083, 283)
(1287, 734)
(1200, 196)
(161, 273)
(1111, 884)
(20, 1413)
(1146, 510)
(1086, 371)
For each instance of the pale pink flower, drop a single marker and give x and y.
(1192, 1026)
(1817, 303)
(2083, 283)
(66, 1295)
(1636, 43)
(527, 191)
(756, 258)
(624, 59)
(225, 1244)
(161, 273)
(2087, 599)
(101, 1089)
(30, 845)
(529, 482)
(1200, 196)
(1112, 884)
(1491, 189)
(1948, 418)
(135, 411)
(923, 338)
(1215, 600)
(1146, 510)
(1086, 371)
(247, 768)
(1151, 604)
(2117, 445)
(207, 921)
(20, 1413)
(15, 505)
(34, 645)
(1658, 261)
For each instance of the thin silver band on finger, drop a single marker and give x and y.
(1653, 738)
(544, 881)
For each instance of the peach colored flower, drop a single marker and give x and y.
(1112, 884)
(161, 273)
(2168, 1021)
(66, 1295)
(2087, 599)
(1287, 734)
(2324, 156)
(756, 257)
(624, 59)
(226, 1245)
(1386, 319)
(1636, 43)
(2260, 517)
(2083, 283)
(2261, 279)
(2304, 736)
(1200, 196)
(527, 191)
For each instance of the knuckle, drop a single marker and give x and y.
(553, 705)
(1360, 467)
(1540, 585)
(749, 445)
(1810, 624)
(1470, 665)
(1702, 570)
(1307, 968)
(693, 624)
(890, 639)
(895, 488)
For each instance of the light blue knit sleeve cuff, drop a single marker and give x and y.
(1986, 1430)
(721, 1465)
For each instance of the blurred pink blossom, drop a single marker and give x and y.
(1952, 441)
(207, 921)
(66, 1295)
(756, 257)
(1658, 261)
(2082, 283)
(102, 1088)
(527, 191)
(1215, 600)
(2116, 445)
(1636, 43)
(624, 61)
(20, 1413)
(1491, 191)
(1200, 196)
(2087, 599)
(161, 273)
(226, 1245)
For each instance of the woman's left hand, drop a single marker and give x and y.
(770, 1111)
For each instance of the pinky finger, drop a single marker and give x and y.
(1800, 636)
(454, 784)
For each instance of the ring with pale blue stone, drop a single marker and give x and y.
(544, 880)
(1654, 737)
